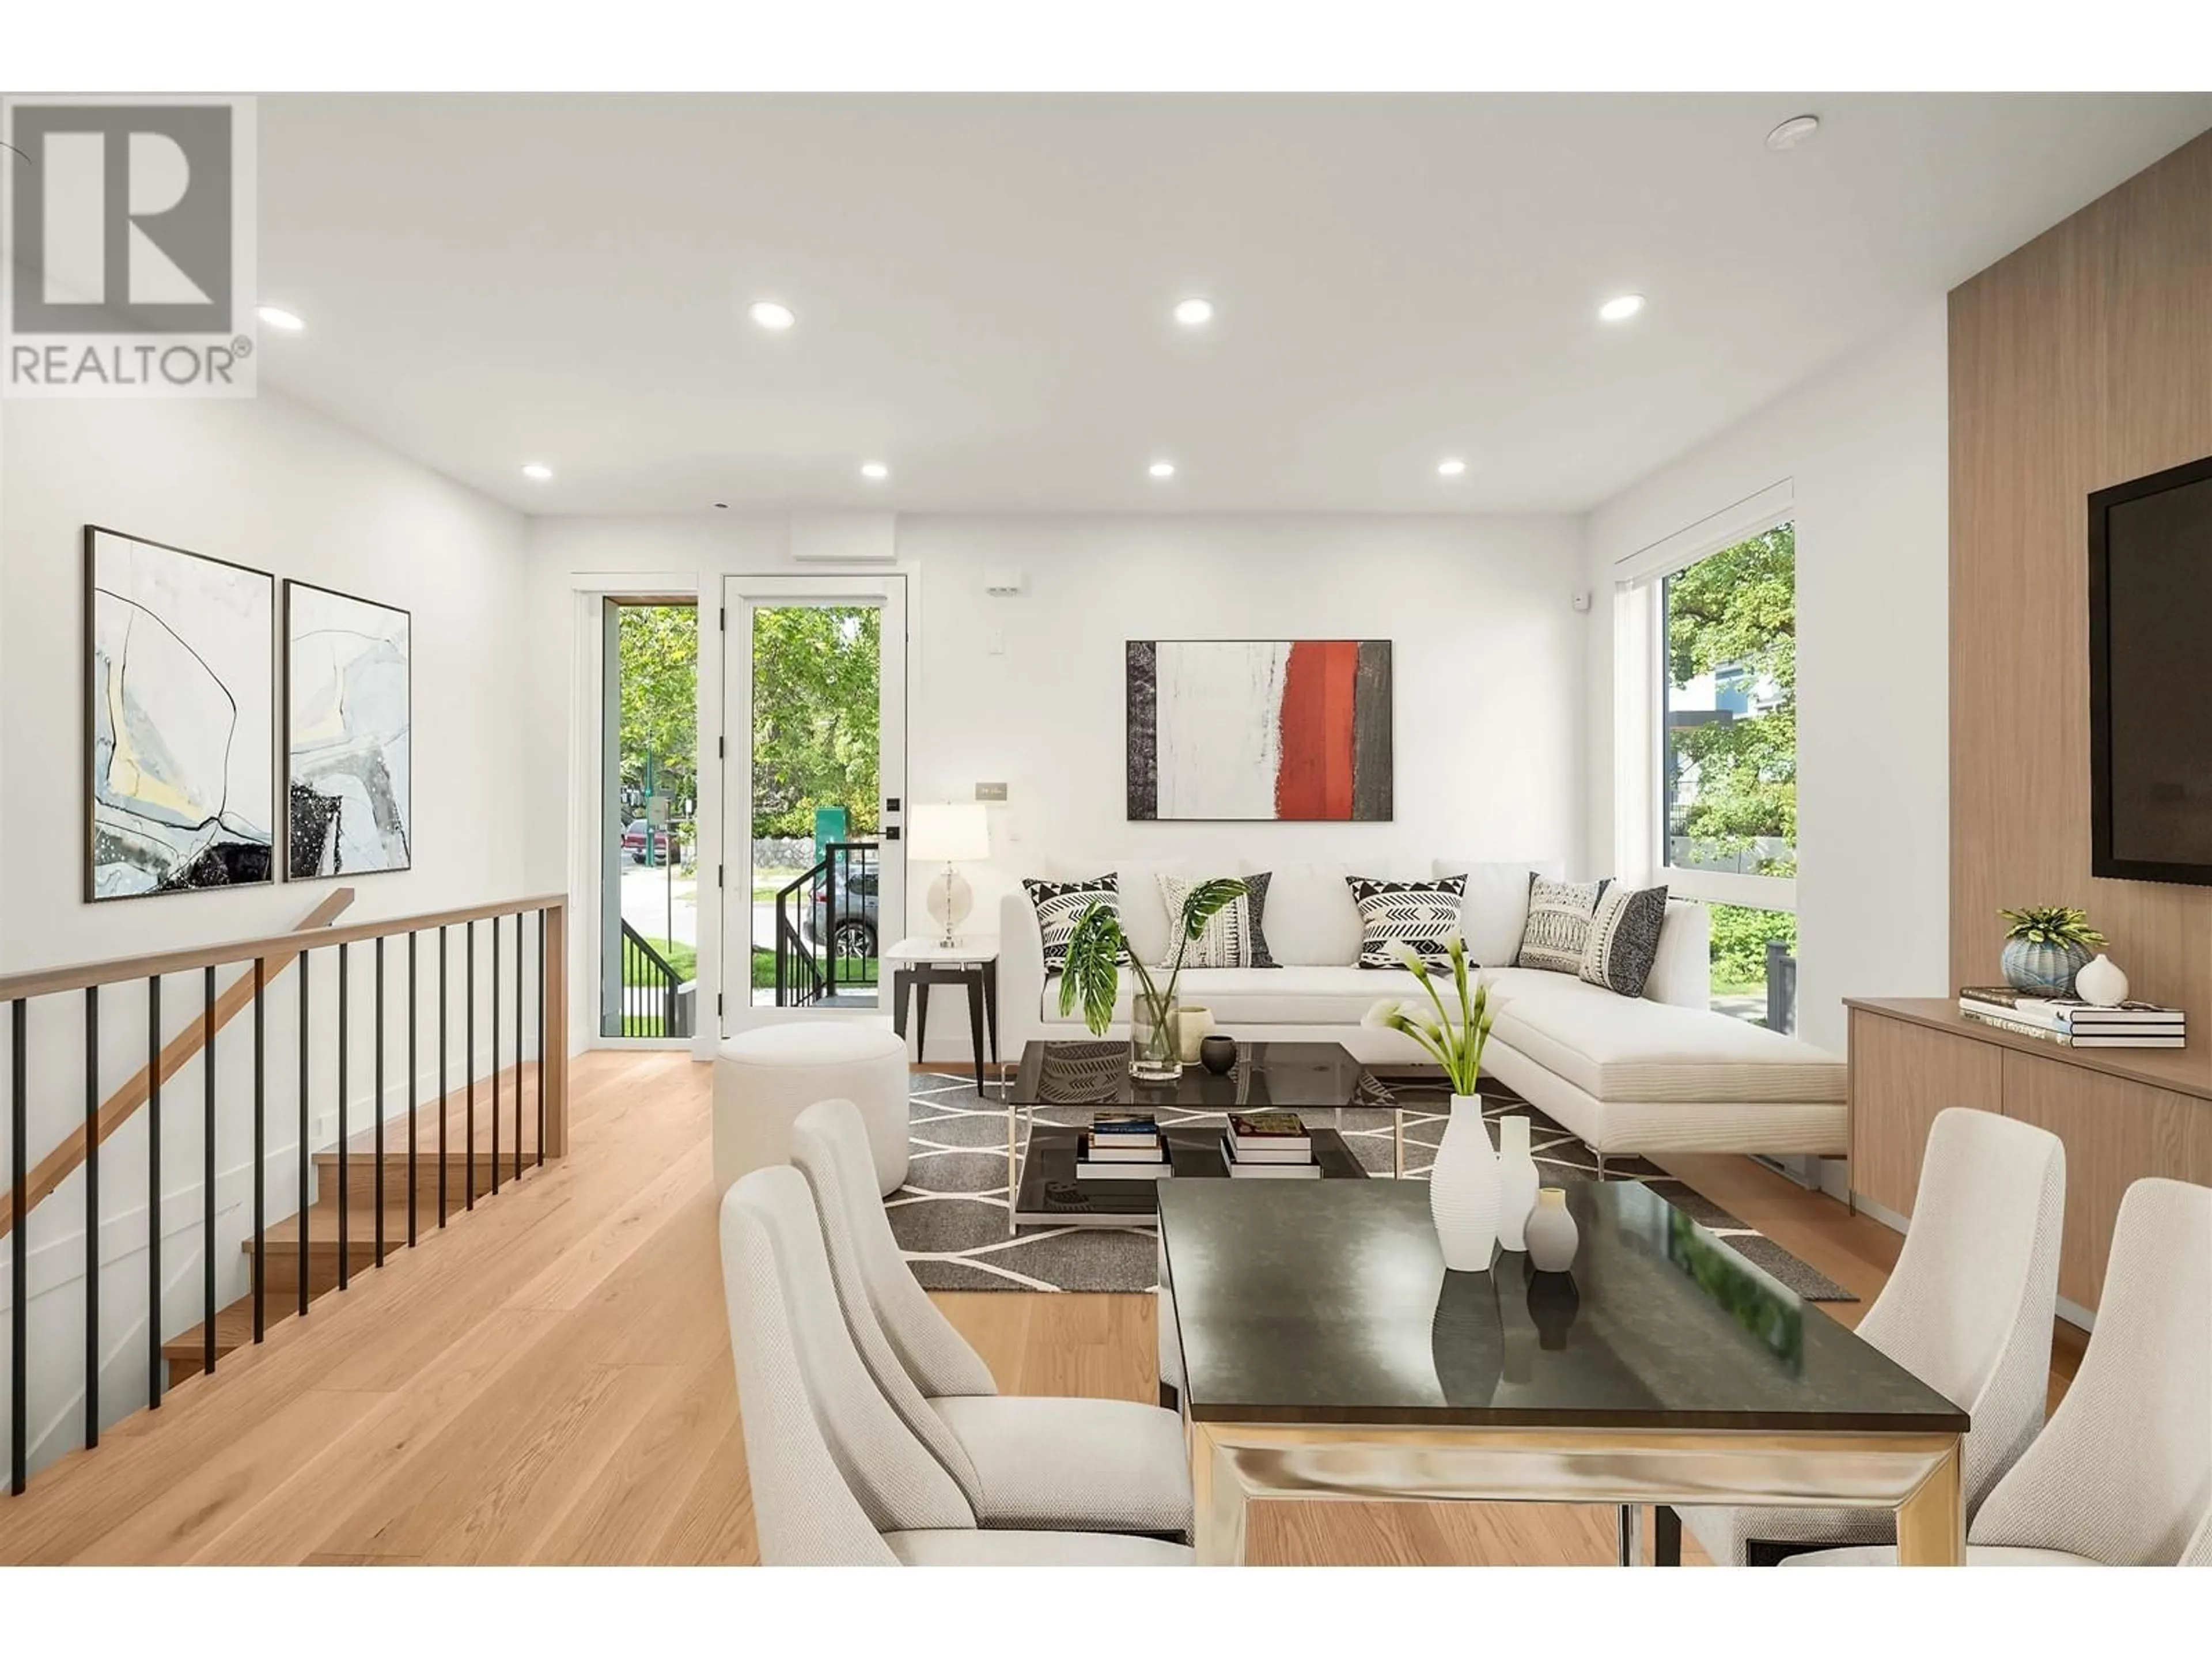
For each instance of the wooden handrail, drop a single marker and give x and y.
(45, 981)
(115, 1111)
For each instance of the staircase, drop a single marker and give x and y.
(349, 1200)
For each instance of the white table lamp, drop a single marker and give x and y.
(949, 831)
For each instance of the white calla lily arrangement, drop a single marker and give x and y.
(1456, 1045)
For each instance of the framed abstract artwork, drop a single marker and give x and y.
(180, 752)
(348, 731)
(1259, 729)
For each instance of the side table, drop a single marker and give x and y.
(922, 962)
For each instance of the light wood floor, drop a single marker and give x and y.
(548, 1381)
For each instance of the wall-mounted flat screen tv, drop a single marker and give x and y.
(2150, 676)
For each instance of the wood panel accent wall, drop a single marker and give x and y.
(2082, 360)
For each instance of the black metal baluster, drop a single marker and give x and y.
(19, 1252)
(469, 1061)
(154, 1192)
(345, 1189)
(91, 1215)
(414, 1106)
(306, 1048)
(495, 1054)
(207, 1173)
(541, 1039)
(380, 1100)
(444, 1048)
(518, 978)
(261, 1145)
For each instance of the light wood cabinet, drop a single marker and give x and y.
(1901, 1076)
(2121, 1114)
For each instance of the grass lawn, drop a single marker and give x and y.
(766, 884)
(683, 959)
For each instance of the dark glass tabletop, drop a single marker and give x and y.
(1312, 1075)
(1327, 1302)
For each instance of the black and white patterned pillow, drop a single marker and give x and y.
(1060, 906)
(1225, 941)
(1558, 923)
(1256, 893)
(1421, 914)
(1623, 938)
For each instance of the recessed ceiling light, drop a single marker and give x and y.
(538, 471)
(1451, 468)
(1162, 468)
(1194, 314)
(1793, 132)
(772, 314)
(277, 317)
(1621, 308)
(874, 472)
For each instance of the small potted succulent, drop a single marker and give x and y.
(2045, 946)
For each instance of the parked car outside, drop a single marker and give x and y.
(852, 909)
(666, 848)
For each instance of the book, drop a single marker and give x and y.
(2071, 1014)
(1125, 1124)
(1087, 1170)
(1244, 1169)
(1270, 1137)
(1107, 1149)
(2068, 1038)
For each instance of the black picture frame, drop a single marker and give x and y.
(89, 723)
(284, 729)
(2103, 861)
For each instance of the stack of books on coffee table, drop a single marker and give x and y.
(1122, 1146)
(1269, 1146)
(2077, 1025)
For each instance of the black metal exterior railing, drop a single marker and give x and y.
(652, 990)
(826, 926)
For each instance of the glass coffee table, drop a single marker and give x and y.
(1306, 1078)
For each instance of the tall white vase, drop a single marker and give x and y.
(1463, 1189)
(1517, 1182)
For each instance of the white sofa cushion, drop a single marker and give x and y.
(1305, 996)
(1630, 1049)
(1493, 909)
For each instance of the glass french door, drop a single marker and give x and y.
(814, 866)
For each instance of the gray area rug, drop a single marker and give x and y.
(950, 1216)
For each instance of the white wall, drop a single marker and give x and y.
(267, 483)
(1488, 667)
(1865, 446)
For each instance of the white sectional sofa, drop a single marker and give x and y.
(1659, 1072)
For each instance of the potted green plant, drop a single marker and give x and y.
(1092, 977)
(2045, 946)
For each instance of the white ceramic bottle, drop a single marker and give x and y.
(1553, 1238)
(1517, 1181)
(1463, 1189)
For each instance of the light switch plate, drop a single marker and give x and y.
(990, 792)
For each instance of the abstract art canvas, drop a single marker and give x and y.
(180, 722)
(1272, 729)
(348, 734)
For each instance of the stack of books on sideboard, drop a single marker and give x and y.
(2070, 1021)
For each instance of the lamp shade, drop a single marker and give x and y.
(944, 831)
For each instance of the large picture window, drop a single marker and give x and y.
(1727, 765)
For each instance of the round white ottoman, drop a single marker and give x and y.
(764, 1079)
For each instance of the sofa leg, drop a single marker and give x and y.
(1601, 1166)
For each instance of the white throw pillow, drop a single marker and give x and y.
(1311, 921)
(1494, 912)
(1225, 941)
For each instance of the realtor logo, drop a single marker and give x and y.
(130, 259)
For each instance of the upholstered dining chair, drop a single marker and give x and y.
(1968, 1311)
(1039, 1462)
(836, 1479)
(2122, 1477)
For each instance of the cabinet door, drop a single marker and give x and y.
(2115, 1131)
(1902, 1075)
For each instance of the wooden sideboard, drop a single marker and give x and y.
(2123, 1114)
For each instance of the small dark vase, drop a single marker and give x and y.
(1218, 1054)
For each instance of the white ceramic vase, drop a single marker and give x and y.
(1517, 1182)
(2100, 981)
(1463, 1189)
(1553, 1238)
(1193, 1027)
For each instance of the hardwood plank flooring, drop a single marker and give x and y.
(548, 1380)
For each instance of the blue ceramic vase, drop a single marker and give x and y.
(2046, 970)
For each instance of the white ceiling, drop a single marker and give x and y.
(984, 284)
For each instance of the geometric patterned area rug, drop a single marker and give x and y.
(950, 1216)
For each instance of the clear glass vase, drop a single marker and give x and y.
(1155, 1039)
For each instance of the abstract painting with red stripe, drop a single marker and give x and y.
(1268, 729)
